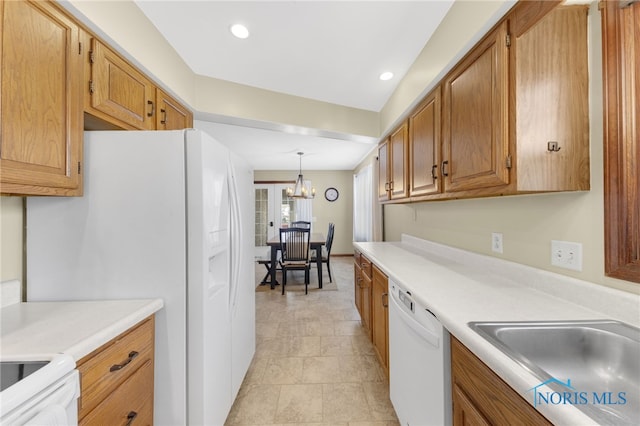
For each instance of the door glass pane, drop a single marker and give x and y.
(262, 216)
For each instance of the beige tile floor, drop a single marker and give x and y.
(313, 363)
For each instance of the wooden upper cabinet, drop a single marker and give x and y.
(399, 163)
(171, 115)
(551, 100)
(475, 117)
(424, 147)
(384, 177)
(41, 101)
(119, 92)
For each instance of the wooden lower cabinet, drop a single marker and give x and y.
(362, 284)
(116, 380)
(371, 287)
(380, 317)
(481, 397)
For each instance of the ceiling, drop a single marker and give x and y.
(330, 51)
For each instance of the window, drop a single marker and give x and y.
(362, 205)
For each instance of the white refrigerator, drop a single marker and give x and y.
(169, 215)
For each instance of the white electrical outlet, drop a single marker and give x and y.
(566, 254)
(496, 242)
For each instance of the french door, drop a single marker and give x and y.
(274, 209)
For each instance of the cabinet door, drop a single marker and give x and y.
(399, 169)
(552, 102)
(464, 412)
(380, 317)
(383, 171)
(357, 285)
(171, 114)
(41, 102)
(365, 314)
(475, 122)
(120, 93)
(424, 147)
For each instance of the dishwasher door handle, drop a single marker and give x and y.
(426, 335)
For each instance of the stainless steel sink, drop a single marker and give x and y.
(593, 365)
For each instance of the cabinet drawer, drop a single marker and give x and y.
(102, 371)
(132, 404)
(365, 265)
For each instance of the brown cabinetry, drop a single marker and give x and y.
(475, 119)
(424, 147)
(116, 380)
(380, 317)
(171, 114)
(550, 63)
(363, 281)
(118, 91)
(41, 101)
(514, 113)
(51, 70)
(393, 163)
(480, 397)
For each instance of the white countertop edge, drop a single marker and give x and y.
(419, 256)
(15, 348)
(87, 346)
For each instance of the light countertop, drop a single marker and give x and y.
(460, 286)
(38, 330)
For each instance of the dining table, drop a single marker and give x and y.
(317, 240)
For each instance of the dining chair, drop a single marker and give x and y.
(294, 249)
(325, 251)
(301, 224)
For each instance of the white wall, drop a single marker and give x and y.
(11, 237)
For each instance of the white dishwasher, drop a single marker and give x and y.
(419, 362)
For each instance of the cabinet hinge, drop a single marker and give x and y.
(508, 40)
(508, 161)
(91, 86)
(92, 57)
(79, 168)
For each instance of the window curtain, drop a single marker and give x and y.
(362, 205)
(304, 207)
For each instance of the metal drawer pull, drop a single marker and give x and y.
(385, 305)
(131, 417)
(164, 116)
(433, 171)
(444, 168)
(153, 109)
(117, 367)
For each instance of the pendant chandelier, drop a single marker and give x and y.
(300, 190)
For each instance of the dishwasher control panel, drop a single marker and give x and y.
(406, 299)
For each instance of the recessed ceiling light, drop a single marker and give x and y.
(239, 31)
(387, 75)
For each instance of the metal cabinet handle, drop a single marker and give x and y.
(164, 116)
(126, 362)
(433, 171)
(153, 109)
(385, 304)
(444, 168)
(386, 186)
(131, 417)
